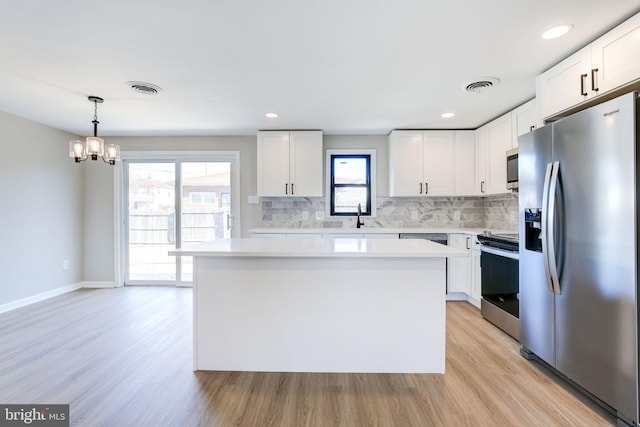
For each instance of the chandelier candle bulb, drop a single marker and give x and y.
(112, 153)
(76, 151)
(95, 147)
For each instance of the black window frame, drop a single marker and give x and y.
(367, 209)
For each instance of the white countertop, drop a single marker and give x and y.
(374, 230)
(320, 248)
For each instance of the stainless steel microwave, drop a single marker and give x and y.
(512, 169)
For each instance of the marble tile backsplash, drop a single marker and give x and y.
(498, 211)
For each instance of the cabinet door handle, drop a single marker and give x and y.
(426, 188)
(532, 127)
(593, 80)
(482, 186)
(420, 188)
(582, 78)
(292, 188)
(286, 188)
(468, 241)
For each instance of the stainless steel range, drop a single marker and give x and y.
(500, 302)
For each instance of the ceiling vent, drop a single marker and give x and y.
(144, 88)
(480, 85)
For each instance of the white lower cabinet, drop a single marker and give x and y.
(464, 273)
(476, 275)
(459, 269)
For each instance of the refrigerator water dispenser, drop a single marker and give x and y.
(532, 228)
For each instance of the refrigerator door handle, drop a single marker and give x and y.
(543, 225)
(551, 228)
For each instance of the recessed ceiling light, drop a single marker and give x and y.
(271, 115)
(555, 32)
(447, 115)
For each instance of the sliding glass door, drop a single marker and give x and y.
(205, 206)
(170, 204)
(151, 222)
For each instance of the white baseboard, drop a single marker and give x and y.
(98, 285)
(457, 296)
(54, 293)
(38, 297)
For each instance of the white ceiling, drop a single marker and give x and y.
(342, 66)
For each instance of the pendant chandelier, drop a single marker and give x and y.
(94, 147)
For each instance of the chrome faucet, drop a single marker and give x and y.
(358, 223)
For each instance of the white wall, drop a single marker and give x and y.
(42, 210)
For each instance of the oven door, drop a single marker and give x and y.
(500, 279)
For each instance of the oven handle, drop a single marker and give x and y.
(499, 252)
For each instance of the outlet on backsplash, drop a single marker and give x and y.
(414, 215)
(305, 215)
(456, 215)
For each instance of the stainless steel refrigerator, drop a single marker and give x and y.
(578, 211)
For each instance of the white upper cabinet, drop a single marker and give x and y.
(290, 163)
(566, 84)
(421, 163)
(465, 163)
(405, 163)
(608, 63)
(305, 163)
(439, 158)
(615, 56)
(524, 119)
(492, 142)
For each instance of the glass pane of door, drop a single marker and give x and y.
(205, 206)
(151, 222)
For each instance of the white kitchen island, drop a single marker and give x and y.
(319, 305)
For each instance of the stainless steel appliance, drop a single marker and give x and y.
(441, 238)
(579, 252)
(499, 281)
(512, 169)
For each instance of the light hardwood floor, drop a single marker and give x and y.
(122, 357)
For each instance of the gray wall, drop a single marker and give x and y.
(56, 210)
(41, 220)
(99, 199)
